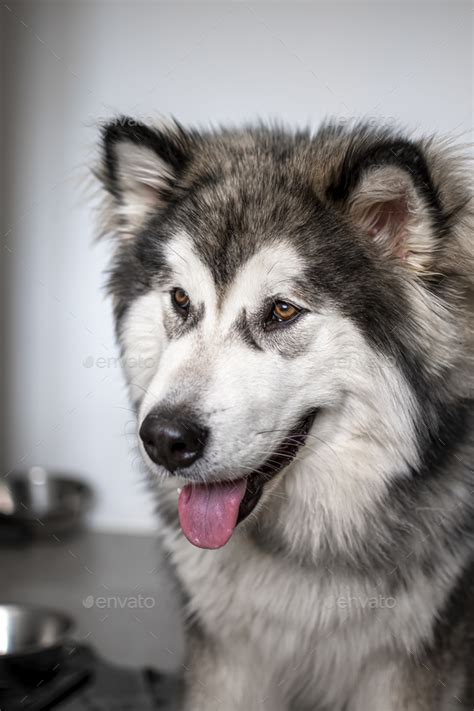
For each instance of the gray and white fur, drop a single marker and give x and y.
(350, 585)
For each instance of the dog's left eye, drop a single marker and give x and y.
(180, 301)
(282, 312)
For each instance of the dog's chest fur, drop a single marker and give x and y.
(311, 630)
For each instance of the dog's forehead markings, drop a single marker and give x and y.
(190, 272)
(270, 271)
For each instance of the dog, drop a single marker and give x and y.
(295, 316)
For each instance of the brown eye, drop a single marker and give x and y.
(180, 300)
(283, 312)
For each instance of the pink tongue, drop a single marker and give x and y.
(208, 512)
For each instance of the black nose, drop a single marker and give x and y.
(174, 440)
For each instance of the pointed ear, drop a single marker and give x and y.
(140, 167)
(386, 191)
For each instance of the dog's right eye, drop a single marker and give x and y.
(181, 301)
(281, 313)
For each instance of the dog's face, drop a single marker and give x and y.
(266, 291)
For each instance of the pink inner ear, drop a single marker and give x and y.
(387, 223)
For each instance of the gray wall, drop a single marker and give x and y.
(71, 66)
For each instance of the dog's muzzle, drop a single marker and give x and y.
(209, 512)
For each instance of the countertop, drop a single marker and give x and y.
(116, 586)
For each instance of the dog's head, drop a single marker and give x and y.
(277, 297)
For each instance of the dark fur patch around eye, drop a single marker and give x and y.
(176, 326)
(242, 328)
(288, 347)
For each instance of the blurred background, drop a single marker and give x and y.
(70, 66)
(67, 67)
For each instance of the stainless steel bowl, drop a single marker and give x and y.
(32, 641)
(42, 503)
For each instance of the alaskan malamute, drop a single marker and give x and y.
(295, 316)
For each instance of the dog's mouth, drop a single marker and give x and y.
(209, 513)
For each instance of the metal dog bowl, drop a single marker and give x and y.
(40, 503)
(32, 641)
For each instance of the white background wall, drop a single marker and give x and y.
(69, 66)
